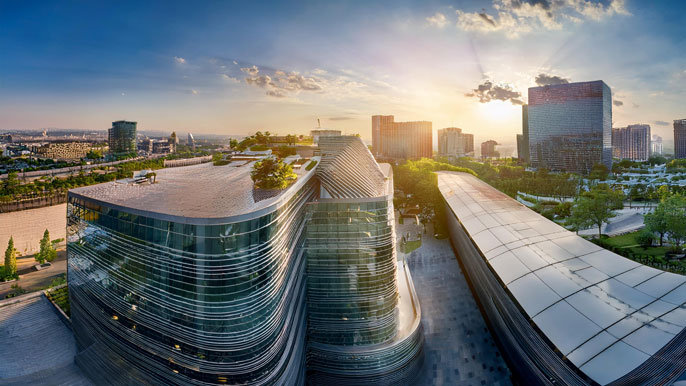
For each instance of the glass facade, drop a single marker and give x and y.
(122, 137)
(189, 304)
(570, 126)
(351, 273)
(306, 287)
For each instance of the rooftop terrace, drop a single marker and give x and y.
(201, 191)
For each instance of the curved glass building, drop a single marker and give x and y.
(564, 310)
(200, 279)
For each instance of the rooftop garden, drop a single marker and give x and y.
(272, 173)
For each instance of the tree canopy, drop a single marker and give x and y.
(272, 173)
(596, 207)
(10, 271)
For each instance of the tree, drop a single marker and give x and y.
(47, 252)
(657, 221)
(11, 261)
(271, 173)
(291, 139)
(596, 206)
(675, 218)
(11, 183)
(94, 154)
(233, 143)
(599, 172)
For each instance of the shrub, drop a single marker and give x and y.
(645, 238)
(312, 164)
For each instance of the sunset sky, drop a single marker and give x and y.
(235, 67)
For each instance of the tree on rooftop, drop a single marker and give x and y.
(271, 173)
(11, 261)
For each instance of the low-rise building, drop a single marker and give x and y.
(63, 151)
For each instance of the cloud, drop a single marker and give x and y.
(550, 80)
(194, 92)
(661, 123)
(488, 91)
(179, 60)
(230, 78)
(518, 17)
(235, 62)
(437, 20)
(280, 83)
(617, 103)
(340, 118)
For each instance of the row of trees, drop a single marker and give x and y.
(419, 185)
(46, 253)
(12, 189)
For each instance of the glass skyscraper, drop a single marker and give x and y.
(200, 279)
(122, 137)
(570, 126)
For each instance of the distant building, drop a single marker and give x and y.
(173, 138)
(523, 139)
(680, 138)
(656, 145)
(631, 142)
(122, 137)
(145, 145)
(63, 151)
(488, 149)
(570, 126)
(452, 142)
(191, 141)
(317, 133)
(401, 140)
(162, 147)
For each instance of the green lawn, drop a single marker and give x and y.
(628, 241)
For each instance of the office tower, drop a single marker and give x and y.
(520, 147)
(401, 140)
(523, 143)
(191, 141)
(122, 137)
(680, 138)
(200, 278)
(317, 133)
(488, 149)
(656, 145)
(631, 142)
(379, 121)
(452, 142)
(570, 126)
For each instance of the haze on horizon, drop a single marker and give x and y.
(233, 68)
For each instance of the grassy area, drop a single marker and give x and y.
(410, 246)
(628, 242)
(61, 298)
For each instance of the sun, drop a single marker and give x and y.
(499, 111)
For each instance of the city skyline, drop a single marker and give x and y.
(205, 68)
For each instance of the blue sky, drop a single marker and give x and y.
(236, 67)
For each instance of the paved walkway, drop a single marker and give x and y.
(459, 349)
(37, 347)
(36, 280)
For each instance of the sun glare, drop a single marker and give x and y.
(499, 110)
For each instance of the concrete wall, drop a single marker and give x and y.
(27, 227)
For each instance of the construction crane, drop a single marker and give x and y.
(319, 124)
